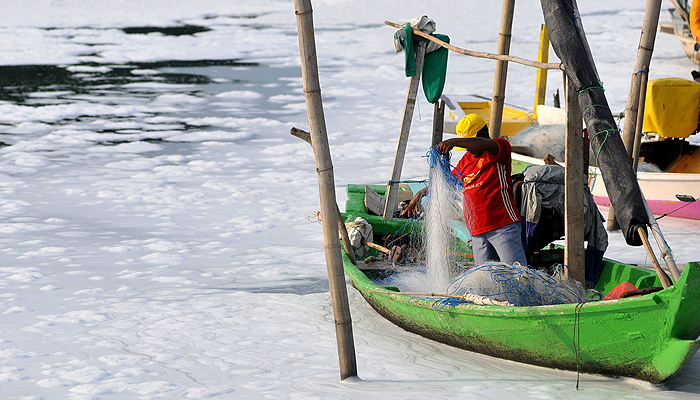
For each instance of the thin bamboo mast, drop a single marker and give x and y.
(644, 53)
(640, 116)
(574, 256)
(326, 185)
(543, 57)
(499, 82)
(390, 203)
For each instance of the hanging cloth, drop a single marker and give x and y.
(435, 61)
(435, 71)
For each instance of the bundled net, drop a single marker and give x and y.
(519, 285)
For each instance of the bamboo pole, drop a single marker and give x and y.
(574, 257)
(666, 252)
(644, 53)
(479, 54)
(324, 167)
(665, 281)
(499, 81)
(640, 116)
(390, 202)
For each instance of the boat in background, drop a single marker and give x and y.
(515, 119)
(672, 194)
(680, 27)
(669, 170)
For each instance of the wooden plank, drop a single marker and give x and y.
(374, 201)
(438, 122)
(574, 257)
(390, 205)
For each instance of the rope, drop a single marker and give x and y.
(607, 131)
(607, 135)
(591, 88)
(677, 209)
(442, 162)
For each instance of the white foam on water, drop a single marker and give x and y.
(156, 238)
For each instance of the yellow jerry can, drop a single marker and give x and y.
(672, 107)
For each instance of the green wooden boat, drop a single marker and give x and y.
(648, 337)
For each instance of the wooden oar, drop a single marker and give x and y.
(395, 254)
(663, 277)
(456, 253)
(376, 246)
(395, 248)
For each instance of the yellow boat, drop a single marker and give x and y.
(515, 120)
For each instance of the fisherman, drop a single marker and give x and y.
(490, 212)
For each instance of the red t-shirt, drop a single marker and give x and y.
(488, 189)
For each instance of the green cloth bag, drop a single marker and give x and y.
(434, 65)
(435, 71)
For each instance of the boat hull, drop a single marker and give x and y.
(648, 337)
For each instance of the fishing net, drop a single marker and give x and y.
(443, 221)
(444, 243)
(518, 285)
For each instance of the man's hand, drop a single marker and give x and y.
(445, 146)
(411, 209)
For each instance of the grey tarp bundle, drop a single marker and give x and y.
(543, 188)
(569, 43)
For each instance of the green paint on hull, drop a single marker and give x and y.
(647, 337)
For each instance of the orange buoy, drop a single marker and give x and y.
(694, 21)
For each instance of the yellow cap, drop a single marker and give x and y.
(470, 125)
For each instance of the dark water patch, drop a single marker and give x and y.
(232, 16)
(166, 30)
(308, 286)
(263, 92)
(195, 63)
(18, 80)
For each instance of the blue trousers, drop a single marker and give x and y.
(502, 244)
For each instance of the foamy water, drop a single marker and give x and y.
(157, 219)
